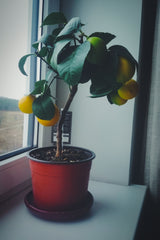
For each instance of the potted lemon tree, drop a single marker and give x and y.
(60, 174)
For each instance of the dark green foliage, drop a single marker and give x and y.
(47, 40)
(70, 70)
(54, 18)
(43, 52)
(73, 26)
(22, 62)
(121, 51)
(107, 37)
(58, 48)
(43, 107)
(65, 52)
(103, 78)
(41, 87)
(86, 72)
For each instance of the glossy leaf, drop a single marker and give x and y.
(107, 37)
(103, 78)
(123, 52)
(67, 36)
(73, 26)
(101, 93)
(56, 31)
(66, 51)
(40, 87)
(86, 72)
(63, 39)
(43, 52)
(54, 18)
(49, 55)
(35, 44)
(70, 69)
(50, 40)
(41, 40)
(46, 39)
(22, 62)
(58, 48)
(109, 98)
(43, 107)
(49, 74)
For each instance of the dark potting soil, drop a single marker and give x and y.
(68, 154)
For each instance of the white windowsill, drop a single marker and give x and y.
(114, 215)
(11, 160)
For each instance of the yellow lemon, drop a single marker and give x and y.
(129, 90)
(126, 70)
(116, 99)
(25, 103)
(52, 121)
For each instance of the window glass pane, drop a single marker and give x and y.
(14, 26)
(11, 129)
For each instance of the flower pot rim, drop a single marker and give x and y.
(60, 162)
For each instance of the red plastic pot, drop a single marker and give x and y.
(60, 186)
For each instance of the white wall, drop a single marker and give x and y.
(106, 129)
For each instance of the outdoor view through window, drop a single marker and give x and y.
(13, 44)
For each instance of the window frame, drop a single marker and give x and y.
(29, 121)
(15, 175)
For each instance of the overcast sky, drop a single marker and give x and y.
(13, 45)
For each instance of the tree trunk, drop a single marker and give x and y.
(61, 121)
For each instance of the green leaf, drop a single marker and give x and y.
(49, 74)
(67, 36)
(43, 51)
(109, 98)
(73, 26)
(103, 78)
(49, 55)
(58, 48)
(86, 72)
(46, 39)
(54, 18)
(123, 52)
(56, 31)
(66, 51)
(22, 62)
(41, 40)
(70, 69)
(63, 39)
(50, 40)
(35, 44)
(43, 107)
(100, 94)
(40, 87)
(107, 37)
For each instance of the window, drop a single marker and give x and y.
(18, 26)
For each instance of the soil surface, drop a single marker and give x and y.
(69, 154)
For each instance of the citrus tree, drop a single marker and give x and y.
(77, 58)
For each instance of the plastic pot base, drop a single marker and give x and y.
(68, 215)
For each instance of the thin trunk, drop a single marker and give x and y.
(60, 124)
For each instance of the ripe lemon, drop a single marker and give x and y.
(126, 70)
(129, 90)
(116, 99)
(51, 122)
(97, 53)
(25, 103)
